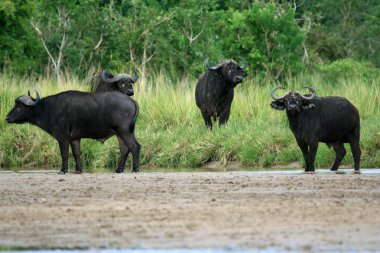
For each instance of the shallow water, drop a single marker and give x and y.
(287, 171)
(153, 251)
(268, 250)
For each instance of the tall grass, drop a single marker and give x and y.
(171, 129)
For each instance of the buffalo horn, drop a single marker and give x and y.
(106, 79)
(211, 68)
(244, 63)
(28, 100)
(313, 94)
(135, 76)
(277, 98)
(37, 96)
(119, 77)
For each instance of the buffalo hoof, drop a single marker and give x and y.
(118, 171)
(310, 172)
(357, 172)
(62, 172)
(135, 170)
(78, 172)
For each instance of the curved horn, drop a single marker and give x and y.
(31, 101)
(277, 98)
(206, 63)
(211, 68)
(244, 62)
(106, 79)
(135, 76)
(123, 76)
(38, 98)
(313, 94)
(118, 77)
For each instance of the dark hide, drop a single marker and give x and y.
(106, 81)
(331, 120)
(215, 91)
(72, 115)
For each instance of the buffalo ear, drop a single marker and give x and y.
(307, 105)
(242, 72)
(278, 105)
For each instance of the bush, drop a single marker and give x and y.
(348, 69)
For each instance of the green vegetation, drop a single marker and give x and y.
(276, 37)
(56, 45)
(172, 133)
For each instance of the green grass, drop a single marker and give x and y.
(172, 133)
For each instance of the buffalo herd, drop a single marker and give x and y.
(109, 110)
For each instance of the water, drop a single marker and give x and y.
(268, 250)
(154, 251)
(196, 170)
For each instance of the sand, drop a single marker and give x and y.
(191, 210)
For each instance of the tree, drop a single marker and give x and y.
(277, 37)
(63, 25)
(19, 48)
(268, 36)
(343, 29)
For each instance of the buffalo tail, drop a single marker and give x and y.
(132, 126)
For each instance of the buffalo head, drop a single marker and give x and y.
(121, 82)
(293, 101)
(21, 112)
(229, 70)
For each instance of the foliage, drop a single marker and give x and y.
(342, 28)
(336, 42)
(267, 36)
(19, 48)
(348, 69)
(276, 37)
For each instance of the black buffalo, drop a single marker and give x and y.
(105, 81)
(215, 90)
(72, 115)
(312, 119)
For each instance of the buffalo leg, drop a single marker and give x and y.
(355, 149)
(135, 148)
(207, 119)
(340, 152)
(131, 142)
(305, 152)
(223, 117)
(313, 147)
(124, 151)
(75, 147)
(64, 148)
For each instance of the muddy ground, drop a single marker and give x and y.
(219, 210)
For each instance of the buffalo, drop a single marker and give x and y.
(313, 119)
(215, 90)
(72, 115)
(105, 81)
